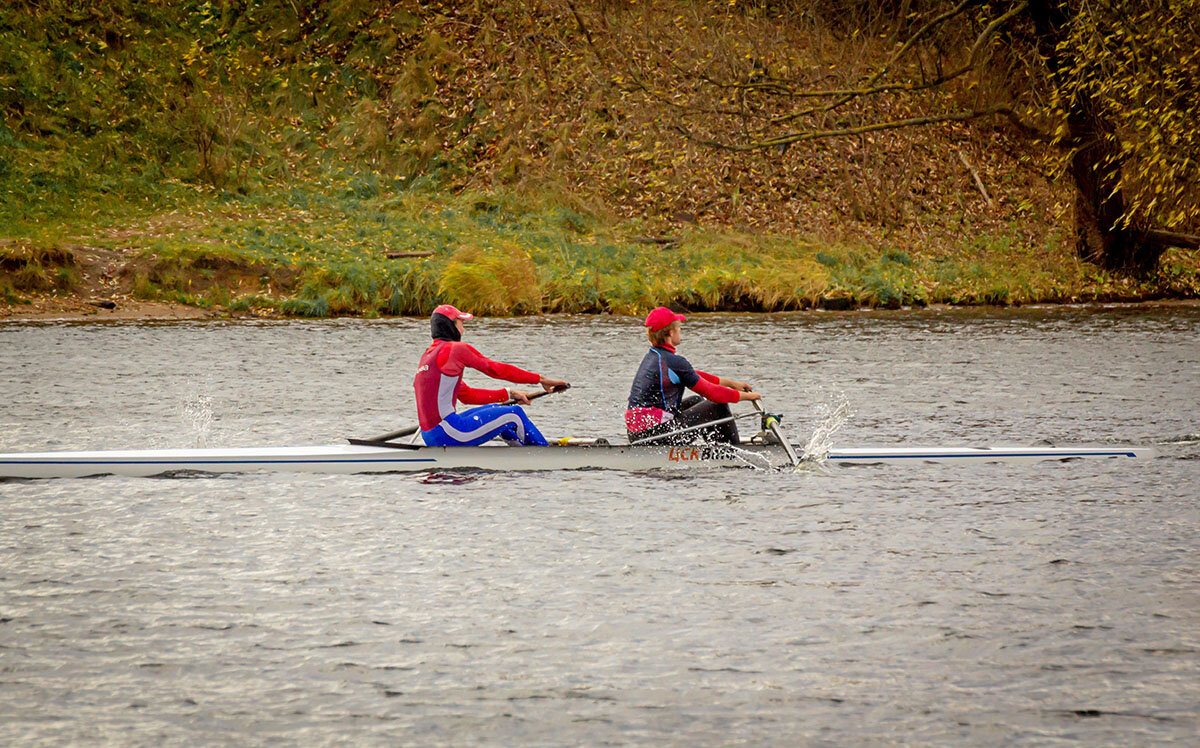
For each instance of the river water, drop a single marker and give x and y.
(1047, 604)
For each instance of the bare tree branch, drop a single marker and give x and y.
(779, 86)
(1173, 239)
(797, 137)
(782, 88)
(978, 179)
(870, 82)
(1026, 127)
(870, 87)
(920, 33)
(583, 27)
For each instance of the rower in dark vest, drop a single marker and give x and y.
(439, 387)
(657, 408)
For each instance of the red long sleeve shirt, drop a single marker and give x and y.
(439, 386)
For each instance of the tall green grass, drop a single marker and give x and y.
(320, 248)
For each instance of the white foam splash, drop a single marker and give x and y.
(748, 458)
(198, 411)
(833, 416)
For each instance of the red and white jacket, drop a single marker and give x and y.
(439, 384)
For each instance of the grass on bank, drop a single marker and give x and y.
(116, 113)
(322, 249)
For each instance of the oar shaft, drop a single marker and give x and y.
(787, 446)
(672, 434)
(677, 432)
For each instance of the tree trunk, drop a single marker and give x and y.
(1100, 236)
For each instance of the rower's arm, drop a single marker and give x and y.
(495, 369)
(732, 384)
(717, 393)
(476, 396)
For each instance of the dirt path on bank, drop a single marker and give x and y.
(100, 293)
(69, 309)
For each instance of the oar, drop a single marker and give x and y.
(410, 430)
(773, 425)
(672, 434)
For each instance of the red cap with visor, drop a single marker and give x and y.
(452, 313)
(661, 317)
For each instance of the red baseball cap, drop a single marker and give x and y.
(452, 313)
(661, 317)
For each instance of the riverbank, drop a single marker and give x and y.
(133, 310)
(355, 164)
(369, 248)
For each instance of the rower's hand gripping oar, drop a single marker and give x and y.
(772, 423)
(543, 393)
(409, 431)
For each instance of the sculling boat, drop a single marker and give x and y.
(569, 454)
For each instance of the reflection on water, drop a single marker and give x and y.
(448, 479)
(951, 605)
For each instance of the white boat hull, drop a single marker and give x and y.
(338, 458)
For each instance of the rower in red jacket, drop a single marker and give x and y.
(657, 407)
(439, 388)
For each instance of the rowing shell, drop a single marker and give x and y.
(339, 458)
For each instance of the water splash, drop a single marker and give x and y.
(1185, 439)
(198, 411)
(748, 458)
(833, 416)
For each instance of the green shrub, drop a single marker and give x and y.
(411, 291)
(66, 278)
(144, 288)
(247, 303)
(828, 260)
(996, 294)
(305, 307)
(9, 295)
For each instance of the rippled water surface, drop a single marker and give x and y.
(1047, 604)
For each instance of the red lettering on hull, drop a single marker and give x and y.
(683, 454)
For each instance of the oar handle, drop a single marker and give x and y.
(390, 435)
(543, 393)
(409, 431)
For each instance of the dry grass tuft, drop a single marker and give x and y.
(24, 267)
(500, 281)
